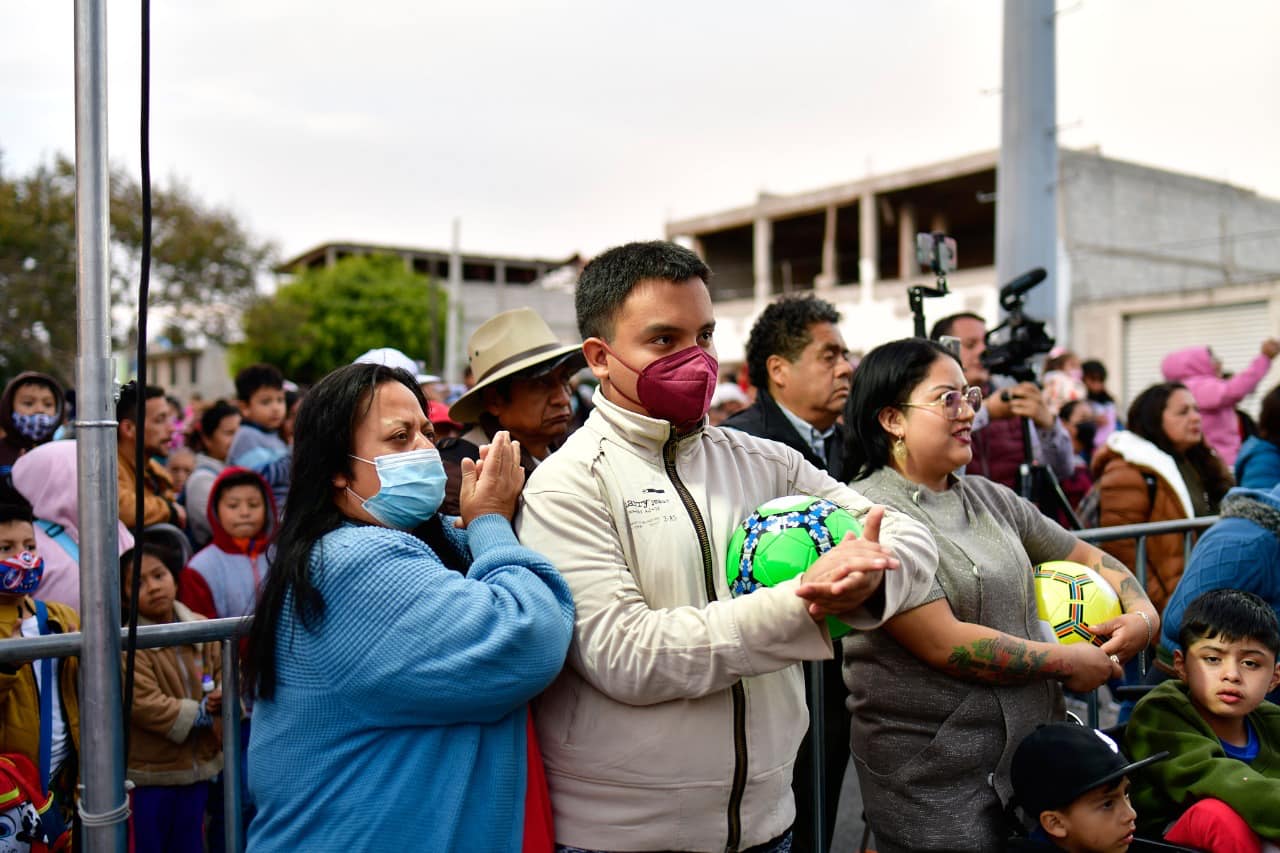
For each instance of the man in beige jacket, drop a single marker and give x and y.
(675, 723)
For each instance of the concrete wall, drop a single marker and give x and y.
(1132, 230)
(480, 301)
(172, 371)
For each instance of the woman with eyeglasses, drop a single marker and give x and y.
(944, 693)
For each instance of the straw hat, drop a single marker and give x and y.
(505, 345)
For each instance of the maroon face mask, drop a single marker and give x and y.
(676, 387)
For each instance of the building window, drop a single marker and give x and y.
(173, 370)
(195, 370)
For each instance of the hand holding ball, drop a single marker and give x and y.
(782, 539)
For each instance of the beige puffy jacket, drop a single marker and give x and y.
(675, 723)
(165, 748)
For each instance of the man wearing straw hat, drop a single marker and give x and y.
(522, 386)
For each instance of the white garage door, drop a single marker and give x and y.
(1234, 332)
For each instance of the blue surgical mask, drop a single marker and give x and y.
(37, 426)
(21, 574)
(411, 491)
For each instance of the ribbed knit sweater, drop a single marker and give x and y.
(399, 723)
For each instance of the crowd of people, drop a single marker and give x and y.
(496, 617)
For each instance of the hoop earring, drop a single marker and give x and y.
(900, 451)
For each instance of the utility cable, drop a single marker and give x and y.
(140, 412)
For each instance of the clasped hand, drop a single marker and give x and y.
(846, 576)
(1127, 635)
(493, 483)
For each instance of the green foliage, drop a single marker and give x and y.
(204, 268)
(325, 318)
(38, 272)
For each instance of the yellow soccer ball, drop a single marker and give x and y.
(1071, 597)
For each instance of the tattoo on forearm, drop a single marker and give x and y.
(1131, 592)
(1002, 660)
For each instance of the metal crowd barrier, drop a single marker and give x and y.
(226, 631)
(1188, 527)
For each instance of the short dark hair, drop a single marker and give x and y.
(1232, 615)
(1064, 414)
(886, 377)
(212, 417)
(1094, 368)
(1269, 417)
(782, 329)
(944, 326)
(14, 508)
(166, 553)
(128, 402)
(609, 278)
(256, 376)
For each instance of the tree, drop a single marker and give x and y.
(204, 270)
(325, 318)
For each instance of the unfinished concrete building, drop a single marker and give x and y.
(1148, 259)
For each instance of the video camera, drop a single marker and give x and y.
(1018, 338)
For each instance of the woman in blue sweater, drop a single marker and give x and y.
(394, 670)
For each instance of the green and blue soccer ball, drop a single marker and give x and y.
(782, 539)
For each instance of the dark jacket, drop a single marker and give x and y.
(765, 419)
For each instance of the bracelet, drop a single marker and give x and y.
(1146, 619)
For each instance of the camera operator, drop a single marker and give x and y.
(997, 432)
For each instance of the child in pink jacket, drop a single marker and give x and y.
(1199, 369)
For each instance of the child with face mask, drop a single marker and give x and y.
(41, 725)
(31, 409)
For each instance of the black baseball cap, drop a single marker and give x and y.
(1058, 762)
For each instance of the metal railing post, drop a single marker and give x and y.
(231, 771)
(103, 806)
(817, 743)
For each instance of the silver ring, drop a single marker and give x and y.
(1115, 659)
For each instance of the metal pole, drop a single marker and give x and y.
(1027, 179)
(817, 744)
(103, 806)
(452, 333)
(231, 770)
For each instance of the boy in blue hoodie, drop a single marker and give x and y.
(258, 445)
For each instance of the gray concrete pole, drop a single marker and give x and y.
(830, 274)
(907, 267)
(868, 246)
(452, 371)
(762, 260)
(1027, 179)
(103, 806)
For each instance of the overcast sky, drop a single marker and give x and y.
(555, 127)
